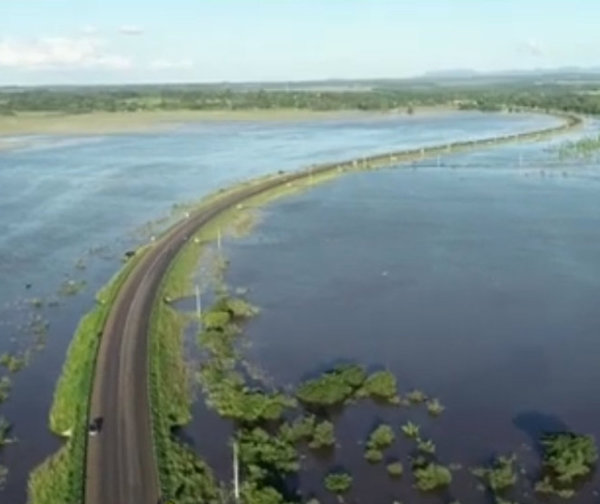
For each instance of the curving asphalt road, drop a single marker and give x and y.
(121, 466)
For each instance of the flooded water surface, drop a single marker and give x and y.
(468, 284)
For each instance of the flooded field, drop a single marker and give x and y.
(476, 281)
(71, 206)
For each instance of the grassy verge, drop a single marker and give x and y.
(60, 479)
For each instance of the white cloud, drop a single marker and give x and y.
(533, 47)
(165, 64)
(59, 52)
(88, 30)
(131, 30)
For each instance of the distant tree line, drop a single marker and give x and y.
(577, 98)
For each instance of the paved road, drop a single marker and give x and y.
(121, 466)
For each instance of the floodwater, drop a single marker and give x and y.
(71, 206)
(477, 282)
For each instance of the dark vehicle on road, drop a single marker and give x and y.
(95, 426)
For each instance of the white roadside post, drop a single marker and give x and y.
(236, 472)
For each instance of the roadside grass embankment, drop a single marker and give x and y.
(61, 478)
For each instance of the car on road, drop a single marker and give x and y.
(95, 426)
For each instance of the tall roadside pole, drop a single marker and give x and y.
(198, 303)
(236, 472)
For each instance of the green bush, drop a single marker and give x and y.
(432, 476)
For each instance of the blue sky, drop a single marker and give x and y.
(114, 41)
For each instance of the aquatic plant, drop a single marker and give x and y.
(432, 476)
(12, 363)
(4, 431)
(216, 319)
(382, 437)
(373, 455)
(434, 407)
(426, 446)
(3, 476)
(416, 396)
(253, 493)
(301, 429)
(381, 385)
(395, 469)
(323, 435)
(567, 457)
(338, 483)
(71, 287)
(5, 386)
(501, 476)
(411, 430)
(333, 387)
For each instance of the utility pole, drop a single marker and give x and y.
(198, 303)
(236, 473)
(219, 239)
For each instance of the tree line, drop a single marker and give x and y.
(575, 98)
